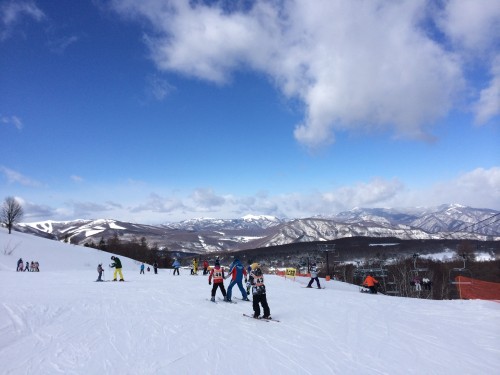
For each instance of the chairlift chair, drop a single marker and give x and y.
(455, 273)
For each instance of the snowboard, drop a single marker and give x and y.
(313, 287)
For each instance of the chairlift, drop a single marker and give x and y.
(456, 273)
(415, 268)
(391, 287)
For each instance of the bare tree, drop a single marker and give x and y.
(11, 212)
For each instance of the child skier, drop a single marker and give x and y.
(256, 279)
(20, 265)
(176, 266)
(117, 264)
(217, 273)
(249, 269)
(314, 276)
(100, 270)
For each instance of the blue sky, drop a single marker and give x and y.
(158, 111)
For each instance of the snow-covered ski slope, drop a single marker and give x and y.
(59, 321)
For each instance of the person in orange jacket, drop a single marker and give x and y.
(371, 283)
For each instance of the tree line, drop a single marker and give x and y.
(137, 248)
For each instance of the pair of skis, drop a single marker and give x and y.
(261, 318)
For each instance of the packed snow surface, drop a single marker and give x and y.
(59, 321)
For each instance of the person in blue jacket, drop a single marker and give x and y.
(237, 271)
(176, 266)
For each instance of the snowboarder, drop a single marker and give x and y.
(256, 279)
(371, 283)
(117, 264)
(237, 271)
(314, 276)
(176, 266)
(205, 267)
(217, 273)
(100, 270)
(142, 269)
(19, 265)
(155, 266)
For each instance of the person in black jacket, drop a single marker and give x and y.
(256, 280)
(117, 264)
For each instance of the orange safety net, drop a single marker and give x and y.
(469, 288)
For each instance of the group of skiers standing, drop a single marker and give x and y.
(155, 267)
(254, 279)
(30, 267)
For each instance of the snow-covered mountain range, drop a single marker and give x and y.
(205, 235)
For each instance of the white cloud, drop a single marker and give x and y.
(355, 65)
(206, 198)
(158, 88)
(12, 120)
(16, 177)
(11, 12)
(476, 188)
(76, 178)
(472, 24)
(488, 105)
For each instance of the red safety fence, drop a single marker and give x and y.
(469, 288)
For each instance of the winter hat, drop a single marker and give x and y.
(217, 263)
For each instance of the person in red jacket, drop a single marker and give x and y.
(371, 283)
(217, 273)
(205, 267)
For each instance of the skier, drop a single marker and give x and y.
(314, 276)
(142, 269)
(256, 279)
(155, 266)
(249, 269)
(20, 265)
(237, 271)
(27, 268)
(100, 270)
(117, 264)
(217, 273)
(194, 270)
(176, 266)
(371, 283)
(205, 267)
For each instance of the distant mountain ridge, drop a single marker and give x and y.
(208, 235)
